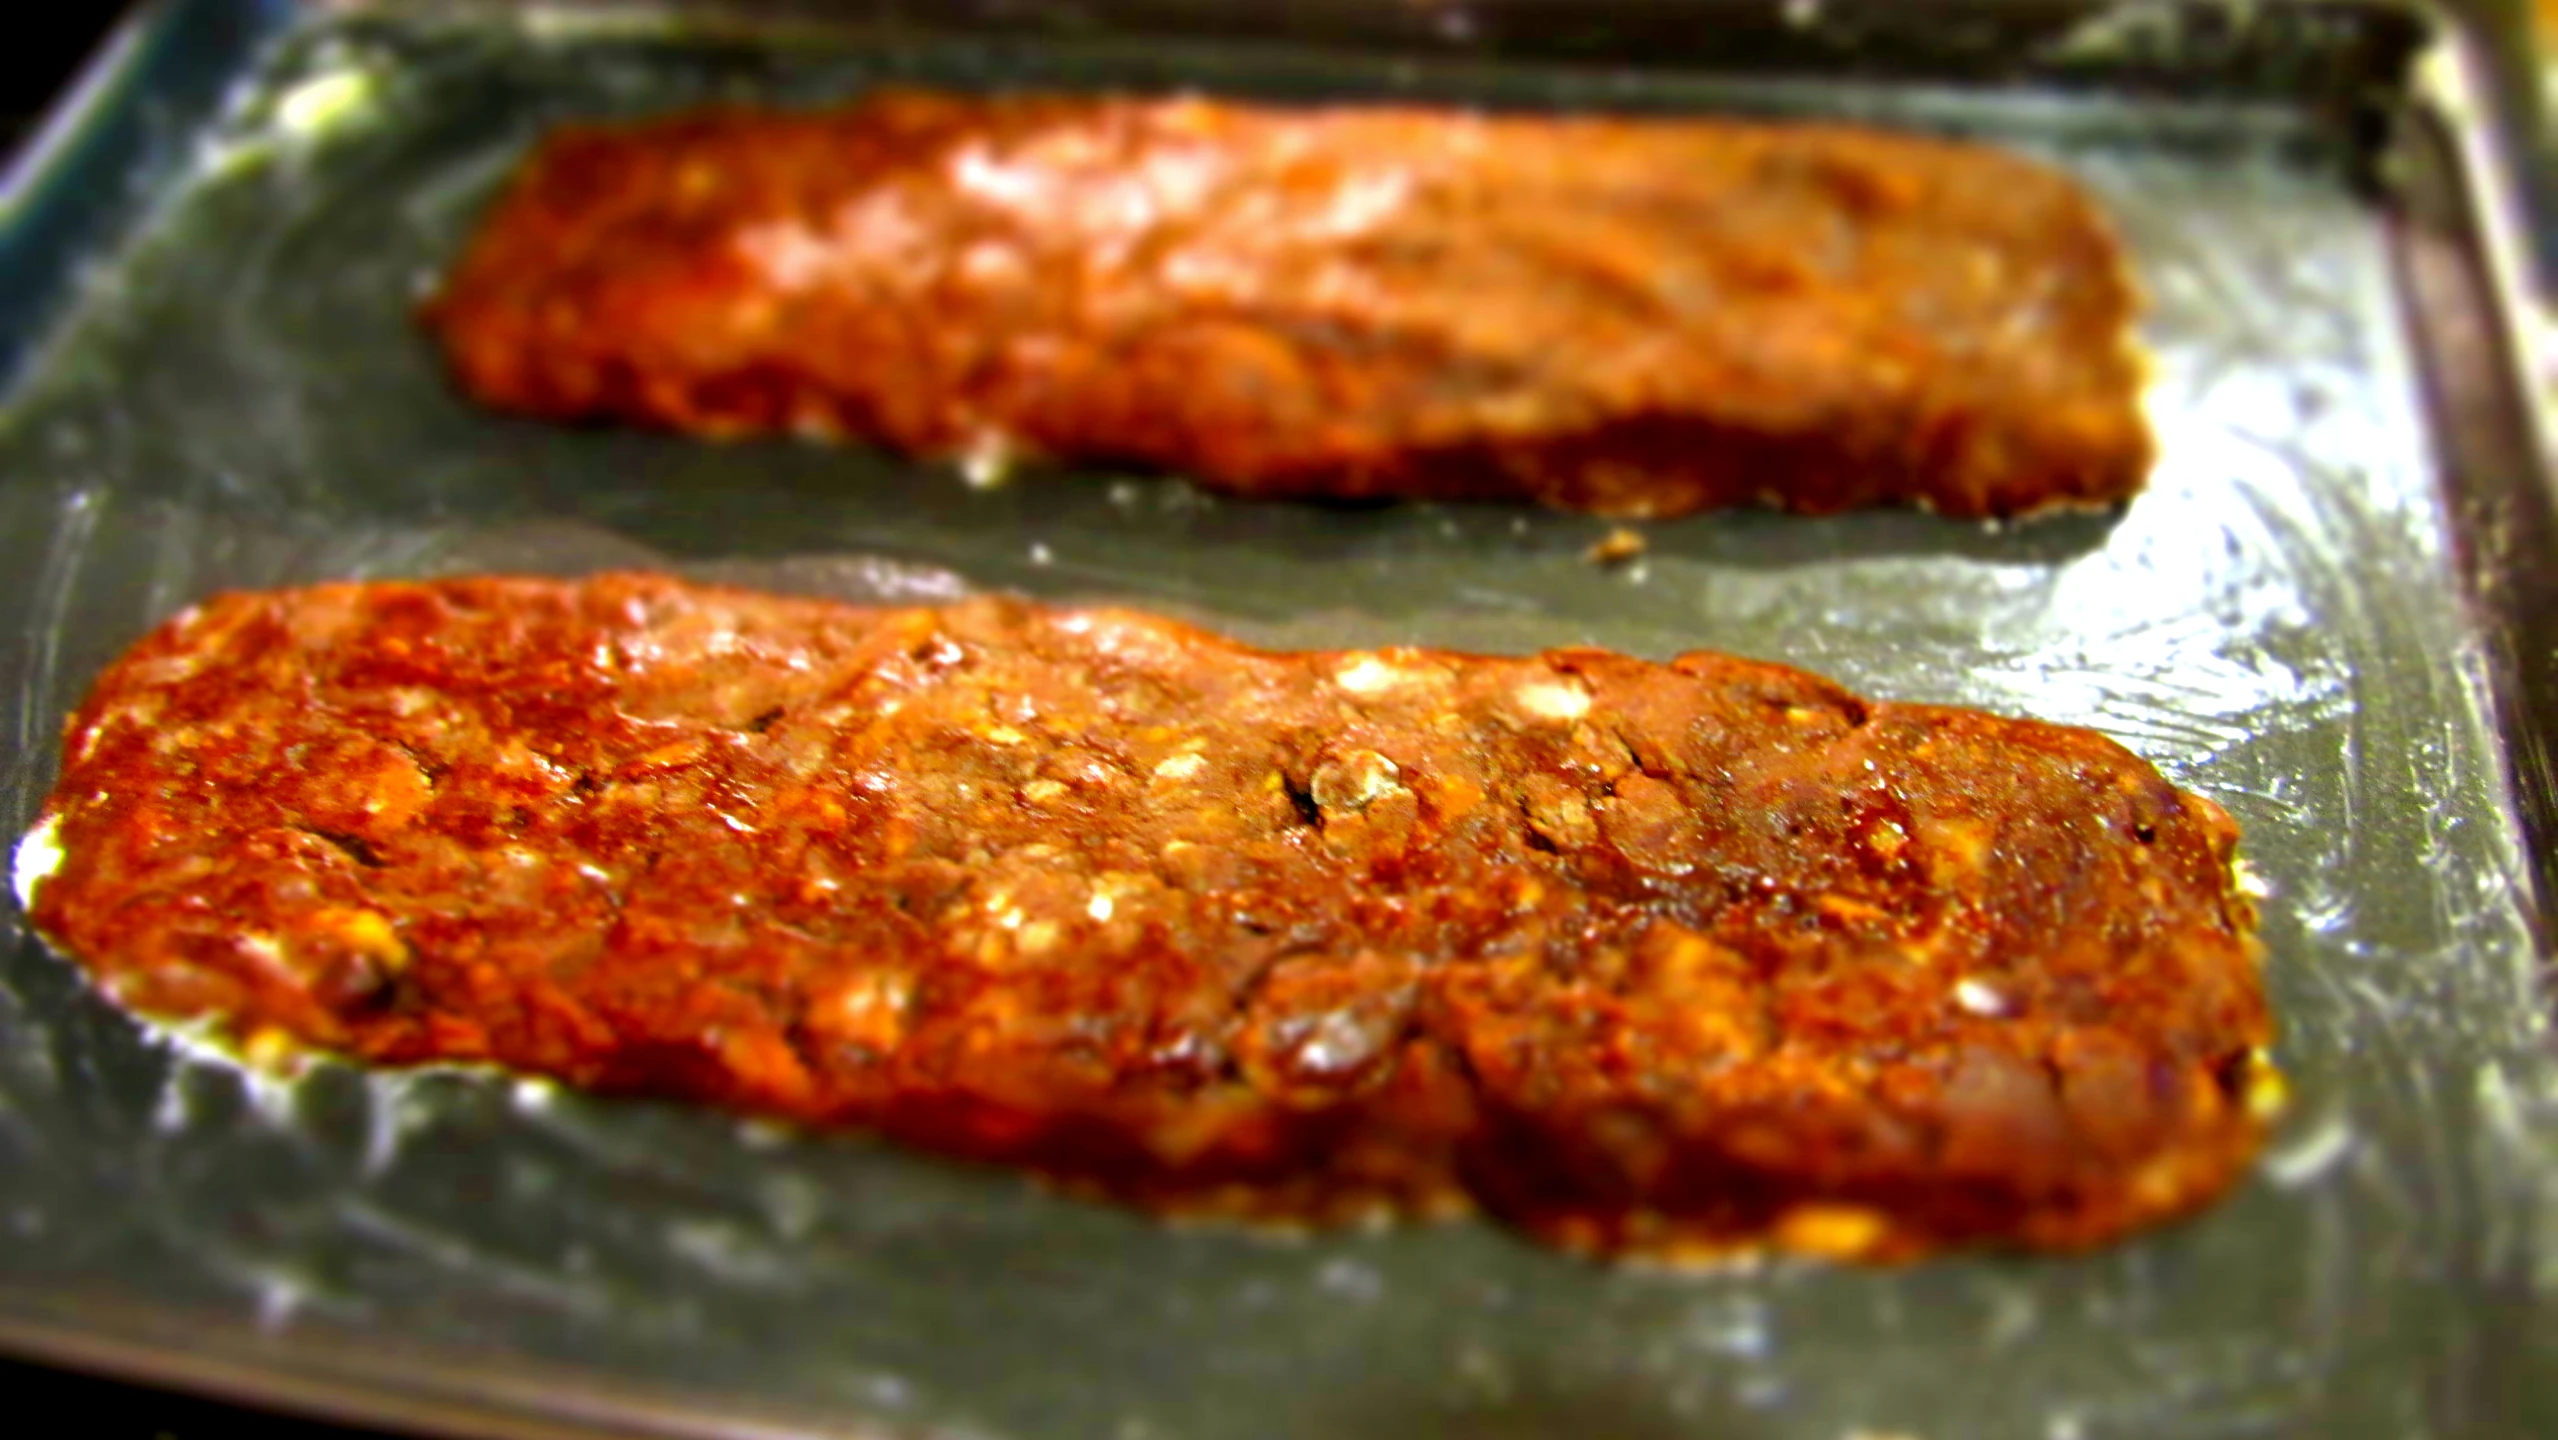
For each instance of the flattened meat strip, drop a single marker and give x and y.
(1638, 956)
(1635, 317)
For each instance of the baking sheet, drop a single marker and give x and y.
(237, 397)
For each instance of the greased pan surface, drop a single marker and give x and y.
(237, 396)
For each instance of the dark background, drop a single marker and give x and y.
(40, 58)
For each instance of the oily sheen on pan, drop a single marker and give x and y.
(1670, 958)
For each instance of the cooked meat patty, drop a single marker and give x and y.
(1638, 956)
(1636, 317)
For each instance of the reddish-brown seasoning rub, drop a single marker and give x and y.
(1638, 956)
(1636, 317)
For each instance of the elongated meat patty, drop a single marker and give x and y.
(1660, 957)
(1637, 317)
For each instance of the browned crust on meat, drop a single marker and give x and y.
(1637, 317)
(1638, 956)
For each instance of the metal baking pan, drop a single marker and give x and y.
(2333, 613)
